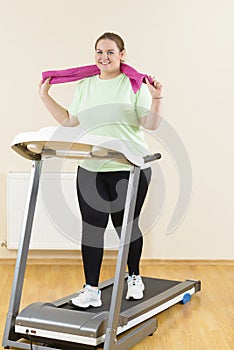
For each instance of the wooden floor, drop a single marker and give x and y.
(206, 323)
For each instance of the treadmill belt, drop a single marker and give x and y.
(153, 286)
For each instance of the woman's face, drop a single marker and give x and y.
(107, 56)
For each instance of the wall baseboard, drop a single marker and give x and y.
(111, 260)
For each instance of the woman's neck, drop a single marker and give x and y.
(109, 75)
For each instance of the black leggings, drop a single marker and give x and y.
(102, 194)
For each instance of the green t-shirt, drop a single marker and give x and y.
(110, 108)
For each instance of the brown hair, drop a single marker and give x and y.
(112, 36)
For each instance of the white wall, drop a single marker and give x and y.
(188, 45)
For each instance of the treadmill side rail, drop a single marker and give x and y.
(24, 242)
(162, 298)
(197, 285)
(125, 240)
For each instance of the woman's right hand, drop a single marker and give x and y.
(44, 87)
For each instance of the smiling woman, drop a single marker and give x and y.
(106, 105)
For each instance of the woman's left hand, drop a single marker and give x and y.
(155, 89)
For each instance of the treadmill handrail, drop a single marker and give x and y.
(75, 142)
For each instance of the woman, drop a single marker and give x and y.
(105, 104)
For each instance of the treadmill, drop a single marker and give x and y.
(119, 323)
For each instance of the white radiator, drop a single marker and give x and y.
(57, 220)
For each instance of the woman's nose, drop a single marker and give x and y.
(104, 55)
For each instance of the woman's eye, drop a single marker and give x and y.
(99, 52)
(110, 52)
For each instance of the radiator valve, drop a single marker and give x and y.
(3, 243)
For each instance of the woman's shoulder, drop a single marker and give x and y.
(83, 83)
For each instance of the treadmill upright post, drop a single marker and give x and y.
(125, 240)
(21, 260)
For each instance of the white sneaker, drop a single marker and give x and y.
(88, 296)
(135, 287)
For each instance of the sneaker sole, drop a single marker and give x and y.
(85, 306)
(128, 296)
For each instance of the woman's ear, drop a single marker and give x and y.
(122, 55)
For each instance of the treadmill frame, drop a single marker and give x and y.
(11, 338)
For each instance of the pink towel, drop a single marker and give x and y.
(78, 73)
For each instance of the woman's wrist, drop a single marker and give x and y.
(157, 97)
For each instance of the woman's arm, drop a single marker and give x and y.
(152, 120)
(60, 114)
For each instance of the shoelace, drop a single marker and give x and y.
(136, 281)
(82, 290)
(85, 289)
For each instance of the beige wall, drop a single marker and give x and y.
(188, 45)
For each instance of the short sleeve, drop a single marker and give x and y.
(143, 101)
(73, 108)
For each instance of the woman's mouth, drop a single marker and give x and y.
(104, 63)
